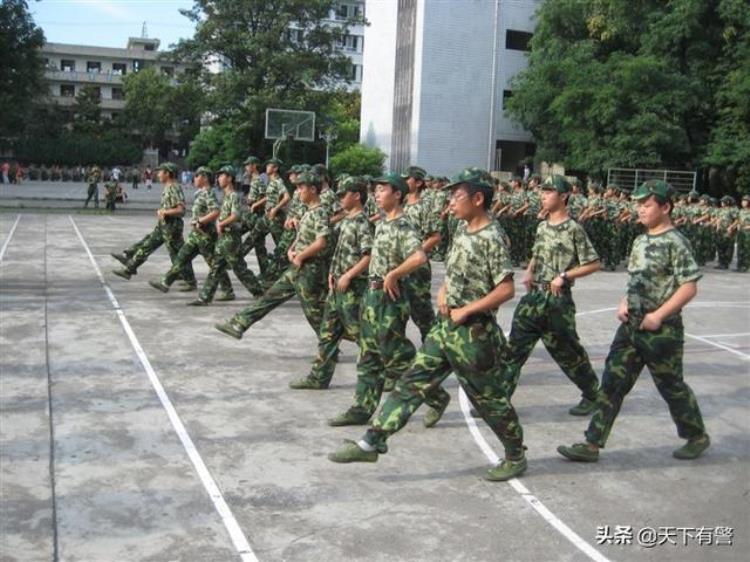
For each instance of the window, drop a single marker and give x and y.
(507, 94)
(67, 90)
(93, 66)
(118, 94)
(168, 70)
(350, 43)
(149, 47)
(518, 40)
(342, 12)
(137, 65)
(67, 65)
(355, 73)
(119, 68)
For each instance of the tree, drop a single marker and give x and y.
(358, 160)
(21, 66)
(274, 54)
(623, 83)
(87, 111)
(147, 105)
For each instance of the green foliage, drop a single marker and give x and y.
(87, 111)
(358, 160)
(73, 148)
(624, 83)
(215, 146)
(21, 69)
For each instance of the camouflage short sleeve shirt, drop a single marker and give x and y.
(313, 225)
(744, 216)
(535, 203)
(560, 247)
(230, 205)
(275, 190)
(296, 207)
(329, 200)
(477, 263)
(659, 264)
(172, 196)
(421, 216)
(204, 203)
(517, 200)
(394, 241)
(257, 189)
(727, 215)
(354, 241)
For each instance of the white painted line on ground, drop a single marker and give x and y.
(7, 240)
(239, 540)
(530, 498)
(725, 335)
(597, 311)
(745, 356)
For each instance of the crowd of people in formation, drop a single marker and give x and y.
(356, 252)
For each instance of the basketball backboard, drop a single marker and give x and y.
(282, 123)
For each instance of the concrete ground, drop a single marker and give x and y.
(130, 429)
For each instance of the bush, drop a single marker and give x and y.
(358, 160)
(34, 173)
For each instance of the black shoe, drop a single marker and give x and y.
(122, 258)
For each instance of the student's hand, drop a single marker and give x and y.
(556, 286)
(330, 281)
(442, 302)
(272, 213)
(622, 311)
(297, 262)
(458, 315)
(651, 322)
(219, 228)
(342, 285)
(290, 254)
(528, 280)
(288, 224)
(390, 286)
(160, 213)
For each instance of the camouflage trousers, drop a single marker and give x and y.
(341, 316)
(384, 350)
(419, 293)
(228, 255)
(661, 352)
(725, 249)
(279, 261)
(168, 232)
(517, 235)
(474, 351)
(263, 227)
(309, 283)
(93, 192)
(198, 242)
(254, 242)
(542, 315)
(743, 250)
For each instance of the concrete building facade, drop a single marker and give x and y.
(436, 77)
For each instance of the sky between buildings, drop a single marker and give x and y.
(109, 23)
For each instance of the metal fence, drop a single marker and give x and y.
(631, 178)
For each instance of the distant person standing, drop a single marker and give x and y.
(116, 173)
(135, 176)
(148, 176)
(93, 178)
(5, 169)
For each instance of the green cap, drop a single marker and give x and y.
(660, 188)
(170, 167)
(275, 162)
(473, 176)
(227, 169)
(705, 197)
(746, 197)
(296, 169)
(204, 171)
(394, 180)
(354, 184)
(321, 170)
(308, 178)
(414, 172)
(251, 160)
(556, 183)
(728, 199)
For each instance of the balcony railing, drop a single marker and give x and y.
(82, 76)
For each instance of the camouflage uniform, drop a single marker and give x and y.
(251, 219)
(540, 314)
(264, 226)
(384, 349)
(309, 282)
(201, 240)
(93, 189)
(658, 265)
(516, 227)
(474, 350)
(228, 252)
(419, 283)
(743, 240)
(168, 230)
(531, 221)
(725, 241)
(110, 195)
(342, 310)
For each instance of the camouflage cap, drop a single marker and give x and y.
(728, 199)
(659, 188)
(746, 197)
(705, 197)
(556, 183)
(296, 169)
(251, 160)
(275, 162)
(354, 184)
(308, 178)
(394, 180)
(228, 170)
(204, 171)
(170, 167)
(414, 172)
(472, 176)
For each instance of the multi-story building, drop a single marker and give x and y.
(353, 43)
(69, 68)
(436, 78)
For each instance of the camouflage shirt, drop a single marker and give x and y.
(171, 196)
(727, 215)
(517, 199)
(354, 241)
(257, 189)
(658, 265)
(275, 190)
(296, 207)
(421, 215)
(395, 240)
(477, 263)
(535, 203)
(560, 247)
(204, 203)
(231, 204)
(93, 177)
(313, 225)
(576, 204)
(329, 201)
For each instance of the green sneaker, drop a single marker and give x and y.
(225, 297)
(187, 287)
(389, 385)
(122, 258)
(306, 383)
(198, 302)
(124, 273)
(350, 417)
(158, 285)
(579, 452)
(584, 408)
(350, 452)
(506, 470)
(693, 448)
(433, 415)
(230, 329)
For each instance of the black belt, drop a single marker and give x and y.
(376, 284)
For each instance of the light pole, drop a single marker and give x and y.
(329, 135)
